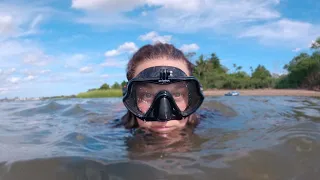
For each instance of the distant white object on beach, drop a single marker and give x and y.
(232, 93)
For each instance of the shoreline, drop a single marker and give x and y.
(207, 93)
(264, 92)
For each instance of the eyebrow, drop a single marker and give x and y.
(145, 86)
(149, 86)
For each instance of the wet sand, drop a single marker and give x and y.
(265, 92)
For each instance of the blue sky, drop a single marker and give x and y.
(63, 47)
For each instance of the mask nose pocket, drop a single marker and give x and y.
(164, 111)
(164, 108)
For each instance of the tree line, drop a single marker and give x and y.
(106, 86)
(303, 72)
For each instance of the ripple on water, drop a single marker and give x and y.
(311, 112)
(49, 108)
(84, 168)
(238, 138)
(74, 110)
(78, 144)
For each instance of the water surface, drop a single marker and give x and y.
(243, 137)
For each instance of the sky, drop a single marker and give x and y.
(64, 47)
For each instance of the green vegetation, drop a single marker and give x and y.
(104, 91)
(303, 72)
(101, 93)
(212, 74)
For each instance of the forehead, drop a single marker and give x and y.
(162, 62)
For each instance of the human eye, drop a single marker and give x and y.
(177, 94)
(147, 95)
(180, 93)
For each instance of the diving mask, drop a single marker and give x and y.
(163, 93)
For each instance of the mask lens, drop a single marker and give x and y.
(163, 93)
(146, 93)
(142, 97)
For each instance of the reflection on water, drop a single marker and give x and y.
(238, 138)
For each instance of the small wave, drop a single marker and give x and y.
(83, 142)
(301, 137)
(217, 108)
(307, 114)
(307, 129)
(73, 167)
(50, 108)
(74, 110)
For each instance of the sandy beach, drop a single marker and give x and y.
(265, 92)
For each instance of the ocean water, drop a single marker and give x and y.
(244, 137)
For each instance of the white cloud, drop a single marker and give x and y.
(54, 78)
(86, 69)
(37, 58)
(14, 47)
(36, 21)
(104, 75)
(113, 52)
(177, 15)
(33, 27)
(127, 47)
(283, 28)
(34, 72)
(8, 77)
(29, 78)
(314, 44)
(72, 38)
(6, 25)
(106, 5)
(284, 31)
(10, 71)
(155, 37)
(4, 90)
(216, 15)
(75, 60)
(13, 80)
(21, 18)
(189, 47)
(8, 89)
(191, 5)
(27, 72)
(105, 12)
(128, 5)
(45, 71)
(114, 63)
(106, 20)
(7, 72)
(17, 53)
(296, 50)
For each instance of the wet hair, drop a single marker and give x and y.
(151, 52)
(156, 51)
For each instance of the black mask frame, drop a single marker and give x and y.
(163, 107)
